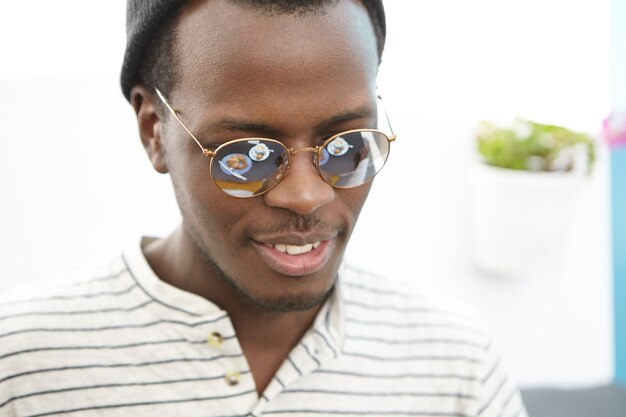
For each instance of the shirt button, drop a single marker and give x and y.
(215, 339)
(232, 378)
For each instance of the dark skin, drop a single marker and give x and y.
(242, 73)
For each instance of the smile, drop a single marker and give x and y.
(295, 249)
(296, 260)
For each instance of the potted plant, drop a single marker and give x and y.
(523, 190)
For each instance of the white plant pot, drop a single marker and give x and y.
(519, 219)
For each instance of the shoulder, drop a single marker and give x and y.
(398, 331)
(47, 314)
(378, 298)
(390, 322)
(56, 324)
(61, 293)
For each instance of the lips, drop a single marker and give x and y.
(295, 259)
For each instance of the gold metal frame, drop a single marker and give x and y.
(290, 151)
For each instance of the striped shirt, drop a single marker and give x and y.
(121, 342)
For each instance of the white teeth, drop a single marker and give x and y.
(295, 249)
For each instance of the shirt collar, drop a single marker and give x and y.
(164, 294)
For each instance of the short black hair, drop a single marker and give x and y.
(158, 66)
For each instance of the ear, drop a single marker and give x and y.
(150, 126)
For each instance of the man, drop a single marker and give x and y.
(264, 113)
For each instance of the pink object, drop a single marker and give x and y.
(614, 129)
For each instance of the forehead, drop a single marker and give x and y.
(233, 54)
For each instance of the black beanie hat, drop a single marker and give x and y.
(145, 17)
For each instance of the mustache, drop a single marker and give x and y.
(298, 223)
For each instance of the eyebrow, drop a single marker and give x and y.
(244, 125)
(363, 112)
(229, 123)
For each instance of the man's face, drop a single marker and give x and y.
(297, 79)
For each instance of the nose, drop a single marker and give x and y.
(302, 190)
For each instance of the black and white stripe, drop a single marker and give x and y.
(120, 342)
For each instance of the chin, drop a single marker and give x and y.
(288, 302)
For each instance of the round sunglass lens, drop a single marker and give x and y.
(354, 157)
(248, 167)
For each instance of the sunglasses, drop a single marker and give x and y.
(249, 167)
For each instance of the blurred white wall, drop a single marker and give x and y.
(75, 186)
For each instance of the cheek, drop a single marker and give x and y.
(355, 198)
(187, 178)
(189, 169)
(200, 201)
(352, 201)
(215, 218)
(211, 220)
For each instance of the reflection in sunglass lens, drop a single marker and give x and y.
(248, 167)
(354, 158)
